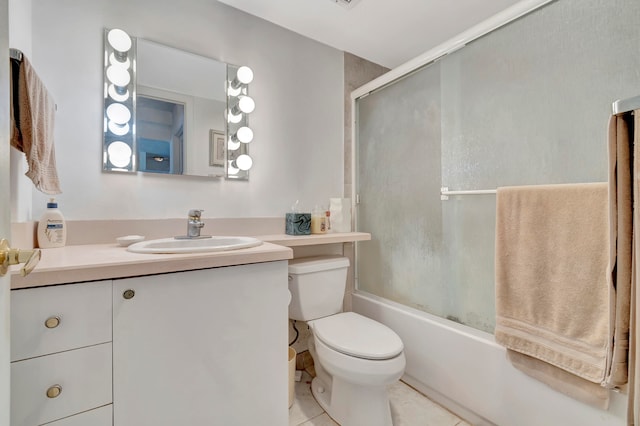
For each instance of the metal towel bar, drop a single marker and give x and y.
(444, 192)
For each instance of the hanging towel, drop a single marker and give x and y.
(620, 247)
(552, 297)
(33, 125)
(633, 406)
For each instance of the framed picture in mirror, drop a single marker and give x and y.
(216, 148)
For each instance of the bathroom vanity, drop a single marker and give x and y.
(151, 339)
(102, 336)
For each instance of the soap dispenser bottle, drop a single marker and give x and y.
(52, 229)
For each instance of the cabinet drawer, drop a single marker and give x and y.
(84, 378)
(99, 417)
(46, 320)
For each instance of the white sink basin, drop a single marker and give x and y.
(200, 245)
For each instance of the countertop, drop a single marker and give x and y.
(315, 239)
(92, 262)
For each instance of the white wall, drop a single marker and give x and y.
(298, 121)
(5, 350)
(20, 38)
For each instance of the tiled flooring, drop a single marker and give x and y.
(408, 408)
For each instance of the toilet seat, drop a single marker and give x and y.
(358, 336)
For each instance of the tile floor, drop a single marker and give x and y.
(408, 408)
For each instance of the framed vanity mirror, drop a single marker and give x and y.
(166, 111)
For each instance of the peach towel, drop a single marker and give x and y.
(552, 295)
(633, 407)
(620, 249)
(33, 134)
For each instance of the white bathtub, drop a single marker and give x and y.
(466, 371)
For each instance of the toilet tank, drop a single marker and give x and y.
(317, 286)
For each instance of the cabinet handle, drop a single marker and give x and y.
(52, 322)
(54, 391)
(128, 294)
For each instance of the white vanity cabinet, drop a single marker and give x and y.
(202, 347)
(61, 354)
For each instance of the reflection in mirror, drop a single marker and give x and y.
(181, 101)
(160, 128)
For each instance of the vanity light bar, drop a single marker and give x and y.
(119, 102)
(239, 105)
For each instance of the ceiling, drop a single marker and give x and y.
(386, 32)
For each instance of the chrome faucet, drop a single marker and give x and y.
(194, 225)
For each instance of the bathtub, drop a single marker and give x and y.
(464, 370)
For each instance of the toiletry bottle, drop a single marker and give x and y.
(318, 221)
(52, 229)
(328, 220)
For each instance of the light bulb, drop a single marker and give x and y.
(244, 135)
(233, 91)
(244, 162)
(119, 129)
(119, 154)
(244, 75)
(119, 40)
(121, 61)
(118, 113)
(118, 76)
(232, 146)
(116, 94)
(244, 105)
(231, 170)
(234, 118)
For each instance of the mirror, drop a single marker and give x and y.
(181, 102)
(178, 113)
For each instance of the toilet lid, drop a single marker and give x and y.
(358, 336)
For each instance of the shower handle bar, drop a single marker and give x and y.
(444, 192)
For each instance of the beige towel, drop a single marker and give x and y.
(620, 256)
(633, 412)
(561, 380)
(34, 135)
(552, 297)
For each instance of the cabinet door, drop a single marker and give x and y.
(205, 347)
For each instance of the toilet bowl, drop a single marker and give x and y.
(353, 389)
(356, 358)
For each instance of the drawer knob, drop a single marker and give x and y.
(54, 391)
(52, 322)
(128, 294)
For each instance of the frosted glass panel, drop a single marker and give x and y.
(529, 103)
(399, 179)
(525, 104)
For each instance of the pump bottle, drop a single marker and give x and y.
(52, 229)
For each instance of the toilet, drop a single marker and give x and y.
(356, 358)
